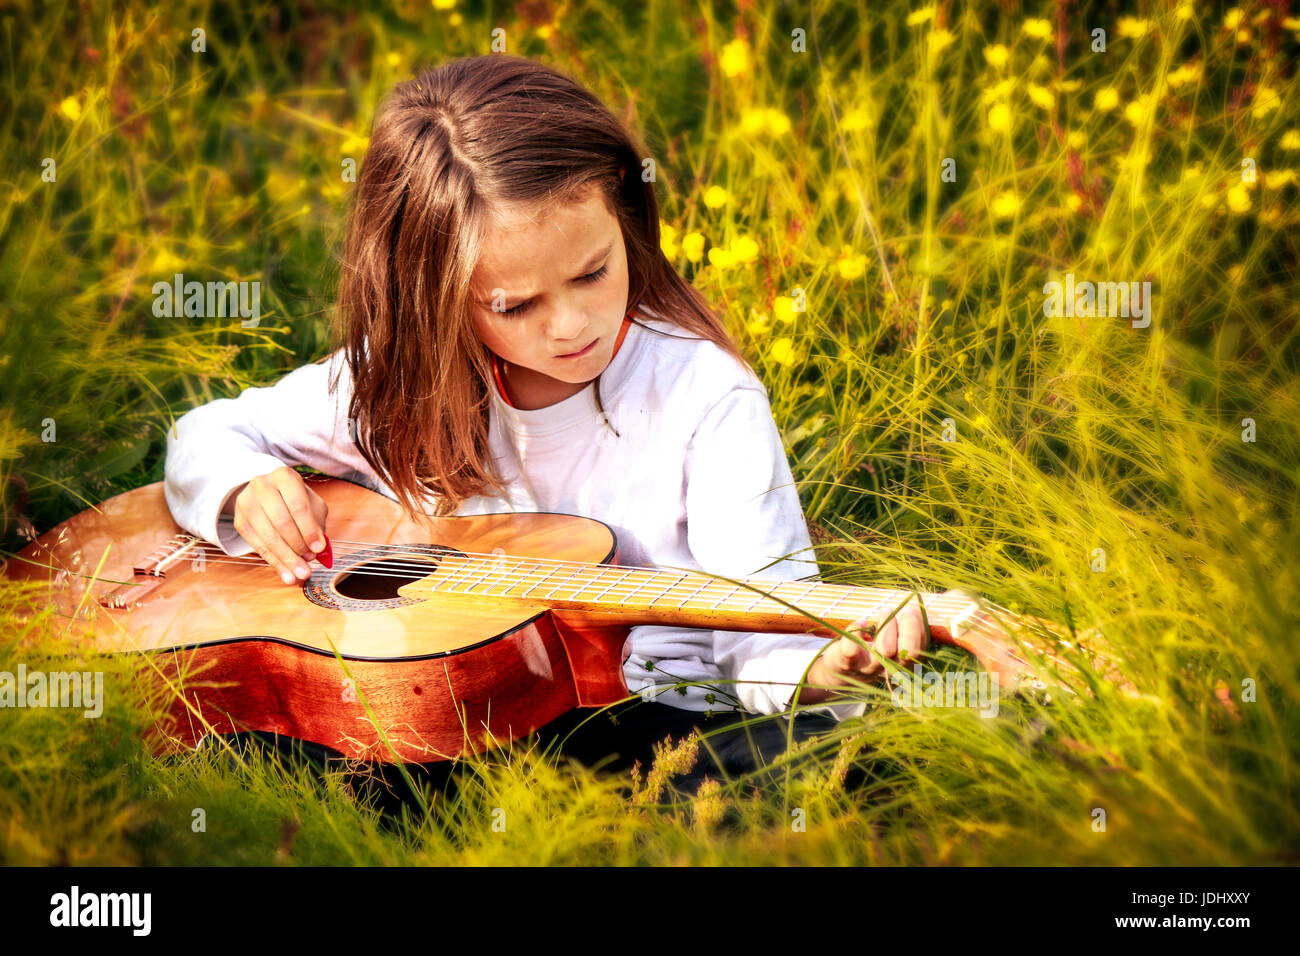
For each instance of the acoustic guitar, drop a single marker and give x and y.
(433, 638)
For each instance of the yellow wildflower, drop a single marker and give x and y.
(1005, 205)
(1136, 112)
(1106, 100)
(1000, 118)
(998, 90)
(1075, 139)
(1069, 86)
(917, 17)
(735, 57)
(1041, 96)
(783, 308)
(1292, 23)
(1278, 179)
(753, 121)
(1038, 29)
(1184, 11)
(856, 119)
(668, 240)
(1290, 140)
(1184, 75)
(71, 108)
(455, 19)
(744, 249)
(851, 266)
(938, 41)
(757, 120)
(443, 4)
(544, 32)
(783, 351)
(757, 324)
(721, 258)
(1132, 28)
(693, 246)
(996, 55)
(1239, 198)
(715, 197)
(393, 59)
(1074, 202)
(1266, 101)
(1232, 19)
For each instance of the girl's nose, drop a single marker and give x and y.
(568, 325)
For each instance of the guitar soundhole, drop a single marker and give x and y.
(368, 579)
(379, 580)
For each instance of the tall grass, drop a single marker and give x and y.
(944, 430)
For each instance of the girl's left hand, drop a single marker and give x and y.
(843, 662)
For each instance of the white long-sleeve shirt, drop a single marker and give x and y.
(697, 477)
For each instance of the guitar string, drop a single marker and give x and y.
(543, 565)
(935, 604)
(493, 560)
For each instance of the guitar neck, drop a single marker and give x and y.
(635, 596)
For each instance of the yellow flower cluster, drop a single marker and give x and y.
(1005, 205)
(1038, 29)
(1184, 74)
(770, 120)
(692, 243)
(851, 265)
(996, 55)
(735, 58)
(742, 249)
(1266, 101)
(1132, 28)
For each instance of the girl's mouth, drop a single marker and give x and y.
(581, 352)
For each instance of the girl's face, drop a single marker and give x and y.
(550, 294)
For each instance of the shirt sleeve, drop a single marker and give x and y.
(215, 448)
(744, 520)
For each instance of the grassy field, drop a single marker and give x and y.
(921, 174)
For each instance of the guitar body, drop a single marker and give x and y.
(442, 676)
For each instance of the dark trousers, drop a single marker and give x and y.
(609, 740)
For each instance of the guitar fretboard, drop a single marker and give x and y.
(682, 598)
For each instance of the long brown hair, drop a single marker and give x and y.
(447, 150)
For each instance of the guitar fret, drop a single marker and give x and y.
(811, 587)
(735, 589)
(626, 575)
(563, 583)
(545, 577)
(761, 599)
(669, 591)
(839, 600)
(452, 581)
(627, 598)
(506, 584)
(707, 582)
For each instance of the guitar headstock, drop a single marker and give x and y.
(1028, 654)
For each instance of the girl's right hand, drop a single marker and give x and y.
(283, 520)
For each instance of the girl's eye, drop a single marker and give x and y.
(589, 277)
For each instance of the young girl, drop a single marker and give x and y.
(513, 339)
